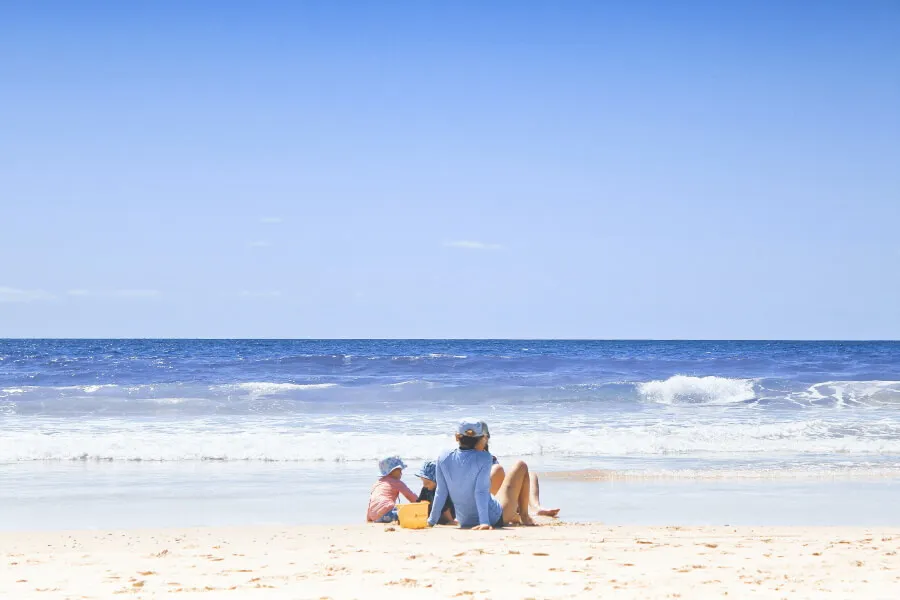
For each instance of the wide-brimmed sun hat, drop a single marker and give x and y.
(428, 471)
(386, 465)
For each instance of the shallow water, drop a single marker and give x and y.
(129, 495)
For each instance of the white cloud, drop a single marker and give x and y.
(470, 245)
(271, 220)
(260, 294)
(135, 293)
(8, 294)
(126, 293)
(259, 244)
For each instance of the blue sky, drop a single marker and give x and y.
(464, 169)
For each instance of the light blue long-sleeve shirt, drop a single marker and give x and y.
(465, 476)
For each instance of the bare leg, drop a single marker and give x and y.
(497, 477)
(514, 495)
(535, 500)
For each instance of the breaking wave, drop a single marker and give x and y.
(681, 389)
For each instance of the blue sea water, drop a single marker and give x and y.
(107, 417)
(743, 404)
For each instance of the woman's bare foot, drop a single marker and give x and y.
(527, 521)
(534, 503)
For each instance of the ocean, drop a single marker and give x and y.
(99, 433)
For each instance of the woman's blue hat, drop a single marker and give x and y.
(470, 428)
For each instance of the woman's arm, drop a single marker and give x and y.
(483, 495)
(440, 497)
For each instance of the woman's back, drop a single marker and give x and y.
(465, 475)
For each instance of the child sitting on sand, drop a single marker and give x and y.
(387, 490)
(429, 484)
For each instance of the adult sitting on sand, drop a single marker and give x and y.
(464, 474)
(498, 474)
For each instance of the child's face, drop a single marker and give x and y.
(428, 484)
(397, 473)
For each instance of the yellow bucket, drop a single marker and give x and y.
(413, 515)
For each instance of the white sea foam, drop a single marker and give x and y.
(260, 389)
(66, 389)
(358, 437)
(412, 383)
(849, 393)
(274, 388)
(683, 389)
(169, 400)
(412, 358)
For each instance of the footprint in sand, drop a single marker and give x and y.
(405, 582)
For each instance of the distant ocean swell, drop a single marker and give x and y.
(193, 399)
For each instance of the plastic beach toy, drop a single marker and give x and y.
(413, 515)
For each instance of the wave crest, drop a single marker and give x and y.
(684, 389)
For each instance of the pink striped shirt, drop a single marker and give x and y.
(384, 497)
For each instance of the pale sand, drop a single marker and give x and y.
(374, 561)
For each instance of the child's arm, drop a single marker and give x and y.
(407, 493)
(449, 517)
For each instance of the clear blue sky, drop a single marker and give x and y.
(457, 169)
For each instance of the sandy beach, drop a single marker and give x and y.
(374, 561)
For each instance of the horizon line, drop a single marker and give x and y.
(449, 339)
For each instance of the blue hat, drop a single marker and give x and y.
(386, 465)
(470, 428)
(428, 471)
